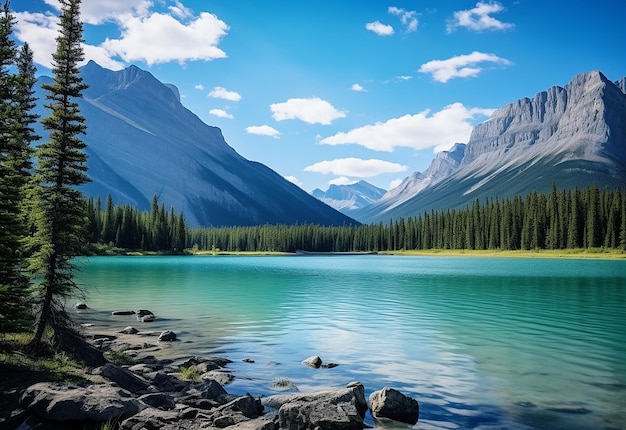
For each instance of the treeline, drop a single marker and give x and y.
(126, 227)
(589, 218)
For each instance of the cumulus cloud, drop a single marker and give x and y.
(161, 38)
(180, 11)
(223, 93)
(310, 110)
(407, 17)
(263, 130)
(357, 87)
(440, 130)
(221, 113)
(395, 183)
(379, 28)
(355, 167)
(40, 30)
(199, 87)
(478, 18)
(461, 66)
(98, 12)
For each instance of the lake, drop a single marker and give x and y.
(480, 342)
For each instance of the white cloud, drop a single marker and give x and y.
(479, 18)
(408, 18)
(263, 130)
(461, 66)
(342, 180)
(223, 93)
(97, 12)
(440, 130)
(379, 28)
(310, 110)
(221, 113)
(40, 30)
(199, 87)
(357, 87)
(160, 38)
(294, 180)
(404, 77)
(180, 11)
(355, 167)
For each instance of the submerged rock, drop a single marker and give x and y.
(314, 362)
(167, 336)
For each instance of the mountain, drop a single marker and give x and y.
(143, 142)
(348, 198)
(572, 136)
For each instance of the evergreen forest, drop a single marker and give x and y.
(562, 219)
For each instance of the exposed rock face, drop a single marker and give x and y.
(124, 378)
(348, 198)
(143, 142)
(572, 136)
(59, 402)
(392, 404)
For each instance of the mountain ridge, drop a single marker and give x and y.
(141, 141)
(570, 136)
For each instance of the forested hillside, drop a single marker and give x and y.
(589, 218)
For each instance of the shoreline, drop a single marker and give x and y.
(587, 254)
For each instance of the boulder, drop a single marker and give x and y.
(210, 389)
(341, 409)
(314, 362)
(62, 402)
(143, 312)
(392, 404)
(159, 400)
(151, 418)
(167, 336)
(81, 305)
(129, 330)
(146, 318)
(168, 383)
(236, 411)
(124, 378)
(223, 377)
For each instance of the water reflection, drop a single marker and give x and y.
(482, 343)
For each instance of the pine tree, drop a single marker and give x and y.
(16, 134)
(60, 209)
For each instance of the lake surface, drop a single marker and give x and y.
(479, 342)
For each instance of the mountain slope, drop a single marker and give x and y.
(142, 141)
(348, 198)
(573, 137)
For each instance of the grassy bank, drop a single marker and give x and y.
(593, 253)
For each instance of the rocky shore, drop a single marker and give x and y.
(154, 392)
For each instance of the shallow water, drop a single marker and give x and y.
(479, 342)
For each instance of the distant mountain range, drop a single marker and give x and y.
(349, 198)
(143, 142)
(571, 137)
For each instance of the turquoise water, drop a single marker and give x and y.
(480, 343)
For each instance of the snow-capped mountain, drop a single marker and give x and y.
(571, 136)
(348, 198)
(142, 141)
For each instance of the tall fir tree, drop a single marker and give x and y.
(16, 135)
(60, 209)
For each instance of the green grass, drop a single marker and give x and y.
(190, 374)
(118, 357)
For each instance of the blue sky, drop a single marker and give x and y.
(338, 91)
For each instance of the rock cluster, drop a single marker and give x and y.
(152, 394)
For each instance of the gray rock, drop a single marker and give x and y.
(314, 362)
(151, 418)
(329, 410)
(265, 422)
(210, 389)
(146, 318)
(392, 404)
(120, 313)
(168, 383)
(221, 376)
(159, 400)
(143, 312)
(129, 330)
(124, 378)
(81, 306)
(167, 336)
(61, 402)
(236, 411)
